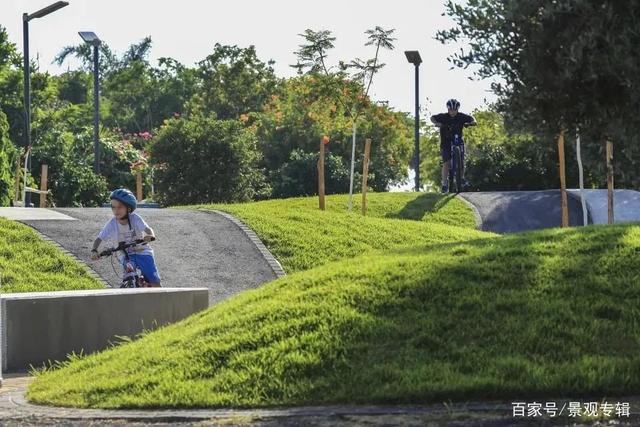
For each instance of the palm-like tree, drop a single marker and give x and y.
(109, 61)
(312, 56)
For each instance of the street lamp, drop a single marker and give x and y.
(413, 56)
(91, 38)
(27, 85)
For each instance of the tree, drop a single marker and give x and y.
(312, 56)
(304, 109)
(563, 64)
(8, 155)
(73, 86)
(299, 175)
(200, 159)
(69, 157)
(11, 88)
(232, 81)
(108, 60)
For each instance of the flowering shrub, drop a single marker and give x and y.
(129, 149)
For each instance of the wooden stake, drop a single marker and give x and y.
(323, 142)
(610, 182)
(563, 184)
(139, 186)
(43, 186)
(365, 174)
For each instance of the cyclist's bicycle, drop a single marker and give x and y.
(457, 163)
(132, 276)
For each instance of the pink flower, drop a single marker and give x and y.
(144, 135)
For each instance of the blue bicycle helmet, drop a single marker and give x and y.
(126, 197)
(453, 104)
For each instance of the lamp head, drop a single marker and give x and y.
(89, 37)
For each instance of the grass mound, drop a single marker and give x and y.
(30, 264)
(301, 236)
(536, 314)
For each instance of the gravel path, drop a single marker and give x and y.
(194, 248)
(16, 411)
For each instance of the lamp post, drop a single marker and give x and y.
(413, 56)
(26, 17)
(92, 39)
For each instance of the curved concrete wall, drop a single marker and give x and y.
(45, 326)
(626, 205)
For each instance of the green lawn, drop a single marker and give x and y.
(30, 264)
(530, 315)
(301, 236)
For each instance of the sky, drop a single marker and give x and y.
(187, 30)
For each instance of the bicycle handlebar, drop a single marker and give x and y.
(122, 246)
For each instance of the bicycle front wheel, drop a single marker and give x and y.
(457, 161)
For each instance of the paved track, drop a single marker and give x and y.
(193, 248)
(513, 211)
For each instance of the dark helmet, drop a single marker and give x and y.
(126, 197)
(453, 104)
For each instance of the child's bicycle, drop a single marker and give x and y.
(132, 276)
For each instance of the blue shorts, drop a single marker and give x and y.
(147, 265)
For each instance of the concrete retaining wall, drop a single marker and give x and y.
(45, 326)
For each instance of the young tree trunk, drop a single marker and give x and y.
(610, 182)
(353, 160)
(585, 217)
(365, 174)
(321, 173)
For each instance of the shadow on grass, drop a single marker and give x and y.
(539, 314)
(548, 313)
(422, 205)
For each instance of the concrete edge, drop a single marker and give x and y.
(476, 212)
(49, 214)
(268, 256)
(20, 402)
(280, 413)
(80, 293)
(575, 194)
(87, 268)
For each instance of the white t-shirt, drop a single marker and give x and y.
(113, 232)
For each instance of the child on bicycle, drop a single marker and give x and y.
(127, 226)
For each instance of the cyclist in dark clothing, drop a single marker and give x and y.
(451, 123)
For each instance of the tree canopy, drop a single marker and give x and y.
(561, 65)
